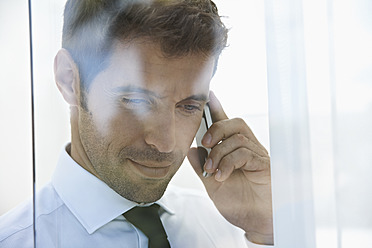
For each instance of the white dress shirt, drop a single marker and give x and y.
(77, 210)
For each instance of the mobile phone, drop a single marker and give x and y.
(206, 122)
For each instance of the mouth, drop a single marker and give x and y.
(154, 171)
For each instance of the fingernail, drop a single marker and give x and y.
(218, 175)
(207, 139)
(208, 164)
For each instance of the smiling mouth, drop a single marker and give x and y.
(151, 171)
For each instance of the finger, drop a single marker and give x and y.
(215, 106)
(229, 145)
(224, 129)
(241, 159)
(231, 162)
(194, 159)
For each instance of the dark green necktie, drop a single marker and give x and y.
(148, 221)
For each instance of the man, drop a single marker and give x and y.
(136, 76)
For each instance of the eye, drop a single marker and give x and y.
(190, 108)
(135, 102)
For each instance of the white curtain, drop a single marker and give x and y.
(319, 58)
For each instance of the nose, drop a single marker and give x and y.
(160, 131)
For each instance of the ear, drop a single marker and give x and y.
(67, 78)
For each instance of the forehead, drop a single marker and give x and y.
(144, 66)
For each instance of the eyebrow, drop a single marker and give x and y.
(198, 97)
(132, 88)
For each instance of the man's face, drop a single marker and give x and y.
(142, 114)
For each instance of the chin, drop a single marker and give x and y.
(146, 191)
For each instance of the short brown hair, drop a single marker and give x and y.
(180, 27)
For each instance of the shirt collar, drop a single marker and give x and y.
(91, 201)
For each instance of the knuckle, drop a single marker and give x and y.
(252, 162)
(226, 165)
(215, 151)
(239, 120)
(217, 125)
(240, 138)
(259, 163)
(224, 162)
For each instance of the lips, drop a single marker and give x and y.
(156, 171)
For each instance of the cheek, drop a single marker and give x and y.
(117, 129)
(104, 115)
(186, 130)
(105, 122)
(126, 127)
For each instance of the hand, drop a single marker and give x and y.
(240, 186)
